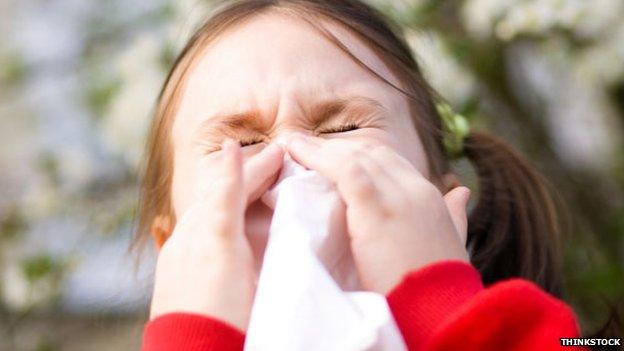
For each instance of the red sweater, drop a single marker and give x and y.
(442, 306)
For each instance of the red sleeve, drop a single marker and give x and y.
(444, 306)
(190, 332)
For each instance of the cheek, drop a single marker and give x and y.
(182, 190)
(408, 144)
(404, 138)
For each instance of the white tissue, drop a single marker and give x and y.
(308, 294)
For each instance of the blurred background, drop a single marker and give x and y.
(78, 80)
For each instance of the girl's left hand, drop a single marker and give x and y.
(398, 221)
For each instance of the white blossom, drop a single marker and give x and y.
(598, 17)
(126, 122)
(480, 16)
(20, 294)
(603, 62)
(188, 16)
(528, 17)
(40, 198)
(580, 119)
(76, 166)
(440, 68)
(507, 19)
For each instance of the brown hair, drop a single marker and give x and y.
(513, 229)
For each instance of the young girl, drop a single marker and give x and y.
(340, 88)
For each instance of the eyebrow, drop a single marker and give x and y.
(319, 114)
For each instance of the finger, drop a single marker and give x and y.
(384, 177)
(341, 162)
(456, 201)
(226, 194)
(218, 207)
(261, 171)
(325, 156)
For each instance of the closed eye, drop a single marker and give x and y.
(250, 141)
(340, 129)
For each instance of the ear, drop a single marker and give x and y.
(161, 229)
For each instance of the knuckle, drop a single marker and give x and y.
(397, 208)
(364, 187)
(353, 169)
(353, 150)
(359, 180)
(386, 213)
(380, 149)
(220, 220)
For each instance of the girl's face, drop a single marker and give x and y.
(274, 75)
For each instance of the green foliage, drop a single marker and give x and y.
(455, 129)
(40, 266)
(48, 164)
(100, 92)
(47, 345)
(12, 69)
(12, 225)
(168, 56)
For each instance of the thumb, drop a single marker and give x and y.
(456, 201)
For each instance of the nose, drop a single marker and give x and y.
(290, 116)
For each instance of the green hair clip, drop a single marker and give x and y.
(455, 129)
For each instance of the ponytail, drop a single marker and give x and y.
(513, 230)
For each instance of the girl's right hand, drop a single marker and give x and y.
(206, 265)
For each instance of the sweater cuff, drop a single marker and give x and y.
(428, 296)
(189, 331)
